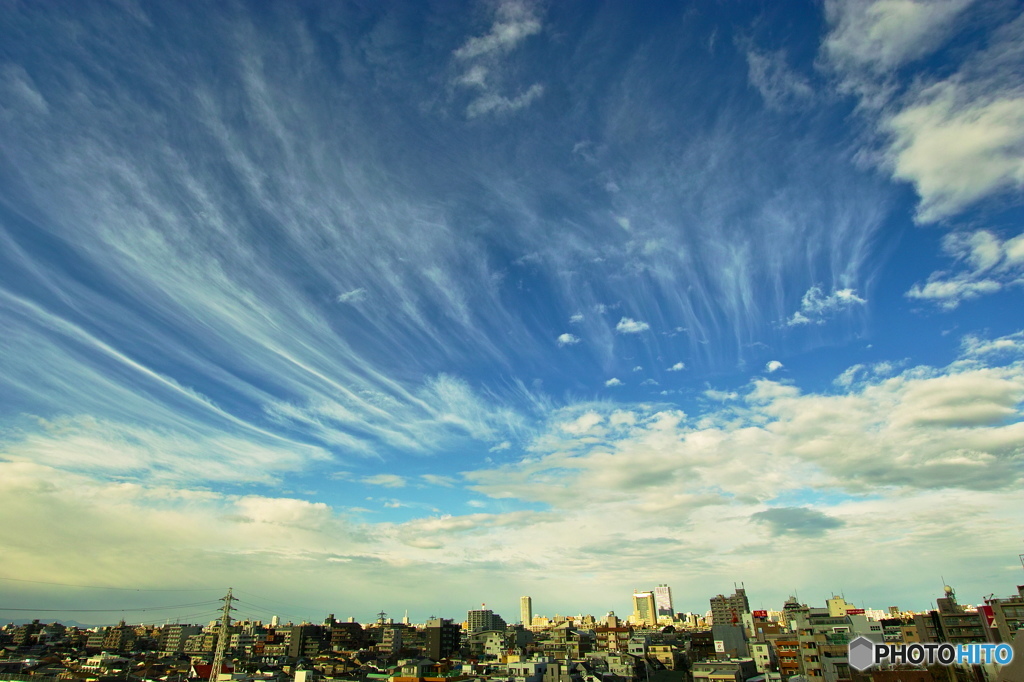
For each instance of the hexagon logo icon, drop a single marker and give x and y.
(862, 653)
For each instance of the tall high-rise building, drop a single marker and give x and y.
(729, 610)
(644, 610)
(663, 600)
(526, 611)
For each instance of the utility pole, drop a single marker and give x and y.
(222, 637)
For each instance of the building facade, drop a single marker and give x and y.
(645, 612)
(663, 600)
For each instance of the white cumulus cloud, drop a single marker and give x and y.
(568, 339)
(956, 146)
(881, 35)
(957, 136)
(628, 325)
(817, 307)
(987, 264)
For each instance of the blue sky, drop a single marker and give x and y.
(422, 305)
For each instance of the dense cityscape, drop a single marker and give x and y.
(729, 643)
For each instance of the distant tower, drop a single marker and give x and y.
(275, 621)
(663, 600)
(526, 611)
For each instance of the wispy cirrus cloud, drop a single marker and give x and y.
(976, 346)
(173, 235)
(484, 72)
(777, 83)
(495, 103)
(516, 20)
(353, 296)
(435, 479)
(386, 480)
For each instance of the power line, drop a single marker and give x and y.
(145, 608)
(275, 601)
(103, 587)
(253, 610)
(196, 615)
(274, 610)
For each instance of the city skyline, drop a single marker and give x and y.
(800, 641)
(398, 306)
(254, 607)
